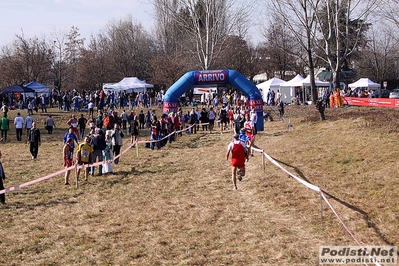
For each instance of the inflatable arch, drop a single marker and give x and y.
(214, 77)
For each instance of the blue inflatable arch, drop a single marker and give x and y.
(214, 77)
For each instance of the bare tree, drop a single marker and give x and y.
(168, 68)
(59, 57)
(172, 42)
(342, 24)
(25, 60)
(130, 48)
(95, 64)
(281, 50)
(73, 47)
(379, 59)
(388, 10)
(299, 17)
(237, 55)
(122, 49)
(171, 36)
(205, 24)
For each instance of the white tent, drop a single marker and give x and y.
(319, 83)
(128, 84)
(272, 84)
(287, 89)
(364, 83)
(295, 82)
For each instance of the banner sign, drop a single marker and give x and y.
(258, 104)
(374, 102)
(211, 77)
(170, 107)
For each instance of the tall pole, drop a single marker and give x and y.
(58, 64)
(59, 69)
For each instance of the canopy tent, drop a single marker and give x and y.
(295, 82)
(322, 87)
(364, 83)
(272, 84)
(129, 85)
(287, 89)
(38, 88)
(15, 89)
(319, 83)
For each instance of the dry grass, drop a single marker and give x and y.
(176, 206)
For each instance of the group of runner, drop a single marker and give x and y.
(241, 147)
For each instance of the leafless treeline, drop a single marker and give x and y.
(299, 36)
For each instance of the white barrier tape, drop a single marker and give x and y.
(317, 189)
(36, 180)
(346, 228)
(75, 166)
(80, 166)
(174, 132)
(303, 182)
(258, 150)
(311, 186)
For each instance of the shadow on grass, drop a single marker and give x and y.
(29, 206)
(297, 170)
(196, 140)
(147, 171)
(125, 176)
(365, 215)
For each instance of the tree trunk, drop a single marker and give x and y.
(313, 88)
(336, 78)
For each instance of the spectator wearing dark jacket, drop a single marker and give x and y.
(98, 143)
(117, 136)
(34, 140)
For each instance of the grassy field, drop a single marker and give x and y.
(176, 206)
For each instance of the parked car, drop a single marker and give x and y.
(394, 94)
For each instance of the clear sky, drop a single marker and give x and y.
(41, 17)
